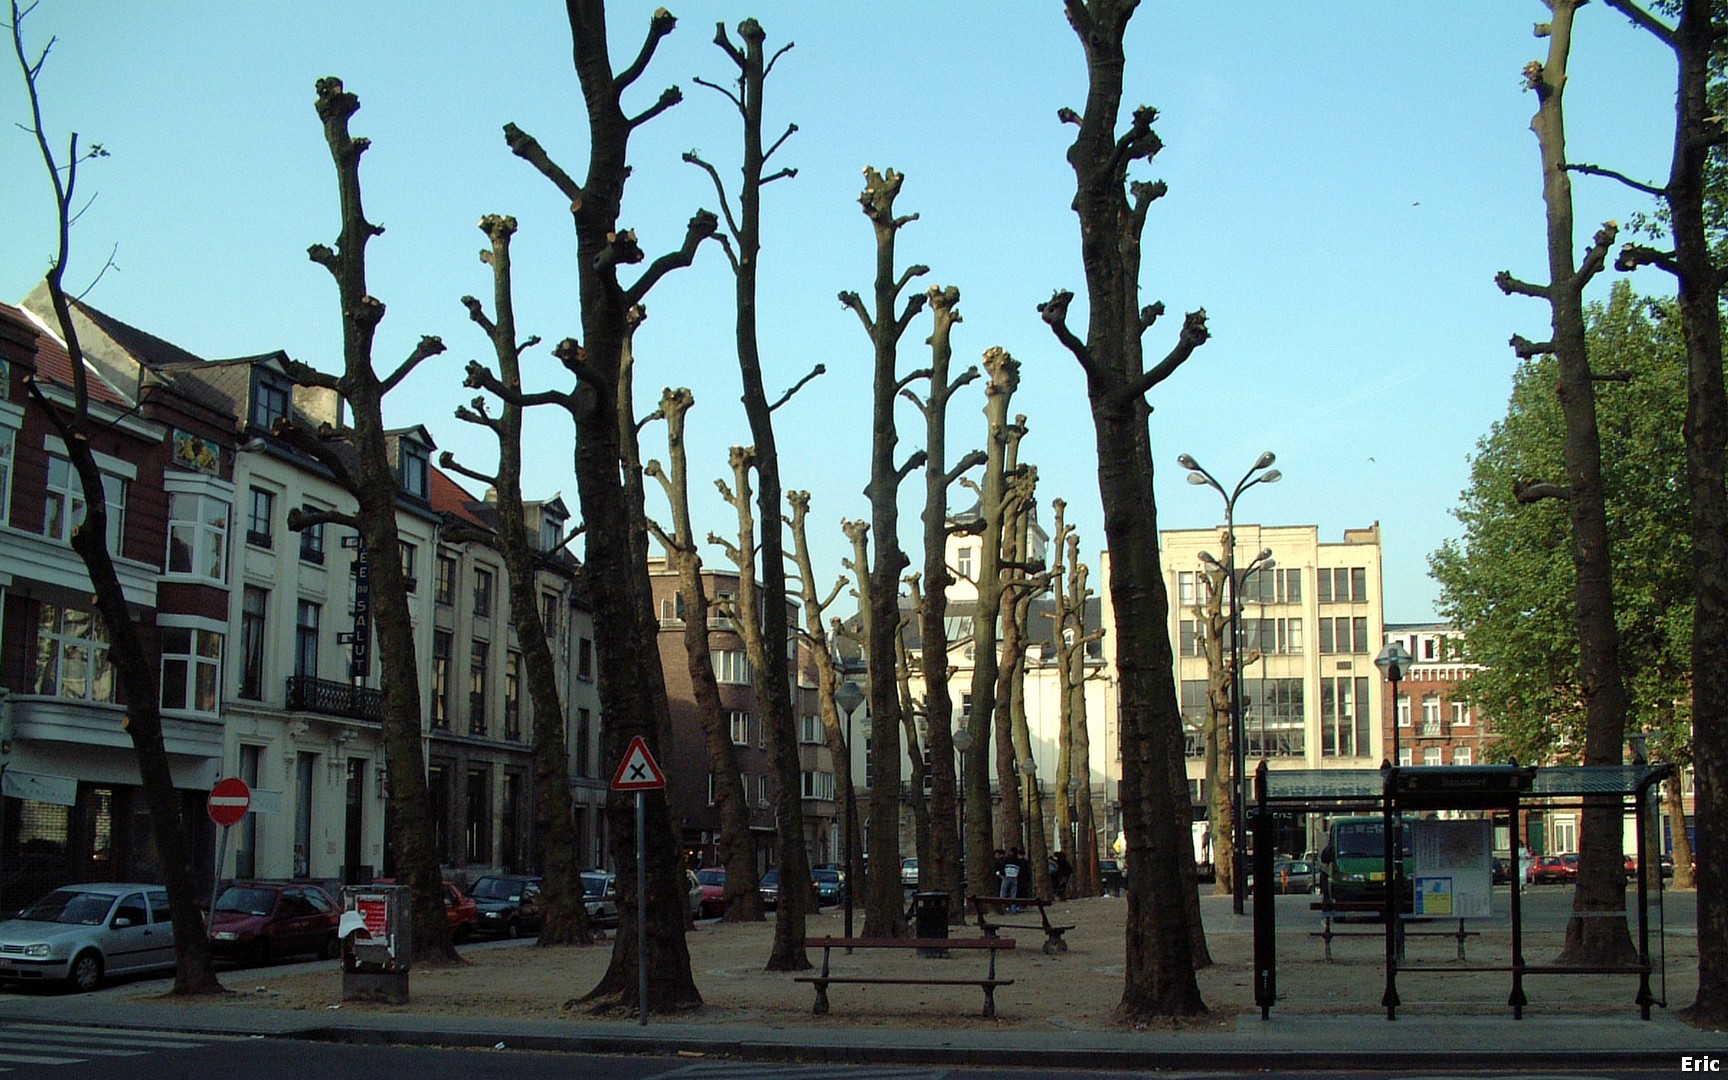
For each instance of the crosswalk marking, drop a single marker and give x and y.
(64, 1044)
(119, 1036)
(37, 1059)
(731, 1070)
(32, 1045)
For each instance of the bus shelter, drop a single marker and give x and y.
(1394, 791)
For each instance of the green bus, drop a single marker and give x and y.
(1355, 861)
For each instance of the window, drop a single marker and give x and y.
(1404, 757)
(1273, 718)
(441, 642)
(191, 669)
(1272, 586)
(1187, 589)
(762, 798)
(410, 558)
(306, 639)
(482, 594)
(197, 536)
(1343, 585)
(252, 608)
(479, 826)
(1460, 714)
(818, 785)
(1282, 636)
(72, 655)
(810, 730)
(551, 531)
(549, 615)
(1192, 638)
(416, 469)
(1403, 712)
(1461, 756)
(1344, 634)
(1195, 707)
(1431, 716)
(585, 659)
(477, 688)
(259, 515)
(312, 539)
(710, 789)
(445, 587)
(732, 667)
(269, 403)
(741, 724)
(6, 440)
(1344, 707)
(1431, 755)
(672, 608)
(513, 695)
(963, 561)
(64, 503)
(584, 735)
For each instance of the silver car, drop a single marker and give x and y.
(79, 933)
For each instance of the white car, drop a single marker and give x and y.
(600, 890)
(80, 933)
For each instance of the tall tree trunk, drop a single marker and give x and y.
(192, 971)
(1601, 885)
(563, 904)
(737, 850)
(1221, 733)
(631, 684)
(1159, 971)
(883, 915)
(767, 638)
(1698, 134)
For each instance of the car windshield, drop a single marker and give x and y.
(832, 876)
(772, 877)
(246, 900)
(711, 877)
(69, 906)
(593, 884)
(490, 888)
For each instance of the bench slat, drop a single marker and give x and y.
(908, 943)
(869, 979)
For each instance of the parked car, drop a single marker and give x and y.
(600, 892)
(830, 888)
(262, 920)
(462, 913)
(1296, 876)
(1553, 869)
(909, 872)
(1500, 872)
(769, 889)
(81, 933)
(508, 904)
(712, 881)
(693, 891)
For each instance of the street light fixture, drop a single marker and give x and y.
(1260, 473)
(1394, 663)
(1027, 768)
(848, 696)
(962, 742)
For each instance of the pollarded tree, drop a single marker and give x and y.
(883, 916)
(631, 683)
(1159, 977)
(1693, 198)
(126, 652)
(563, 904)
(737, 850)
(1590, 938)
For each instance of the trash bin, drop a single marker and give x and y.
(930, 919)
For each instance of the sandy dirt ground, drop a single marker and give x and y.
(1078, 990)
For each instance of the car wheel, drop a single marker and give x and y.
(261, 951)
(86, 971)
(513, 930)
(332, 949)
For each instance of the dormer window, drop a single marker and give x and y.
(270, 396)
(551, 531)
(416, 469)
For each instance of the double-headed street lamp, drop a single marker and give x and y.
(1260, 473)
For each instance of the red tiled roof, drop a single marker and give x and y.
(449, 497)
(54, 365)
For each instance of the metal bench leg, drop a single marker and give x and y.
(821, 1008)
(1460, 941)
(1054, 944)
(989, 1002)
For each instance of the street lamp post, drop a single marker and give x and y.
(1394, 663)
(848, 696)
(962, 743)
(1260, 473)
(1074, 818)
(1027, 769)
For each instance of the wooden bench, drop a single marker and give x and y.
(1329, 908)
(988, 983)
(985, 905)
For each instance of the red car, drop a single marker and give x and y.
(464, 914)
(262, 920)
(1553, 869)
(713, 882)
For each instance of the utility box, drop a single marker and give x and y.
(930, 919)
(377, 943)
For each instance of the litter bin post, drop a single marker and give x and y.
(930, 919)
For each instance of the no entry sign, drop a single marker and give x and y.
(229, 801)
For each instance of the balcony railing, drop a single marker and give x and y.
(307, 694)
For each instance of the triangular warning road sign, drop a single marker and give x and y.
(638, 771)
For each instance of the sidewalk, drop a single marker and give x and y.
(1040, 1031)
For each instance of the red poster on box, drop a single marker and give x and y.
(376, 912)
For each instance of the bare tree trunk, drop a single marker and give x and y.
(858, 532)
(563, 905)
(1159, 971)
(917, 777)
(737, 851)
(1697, 135)
(883, 916)
(1002, 378)
(1221, 733)
(631, 685)
(1601, 886)
(767, 639)
(192, 971)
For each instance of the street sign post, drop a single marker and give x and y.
(229, 800)
(639, 772)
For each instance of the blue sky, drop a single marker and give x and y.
(1345, 180)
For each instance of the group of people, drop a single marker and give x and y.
(1014, 873)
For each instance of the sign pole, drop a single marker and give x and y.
(221, 860)
(641, 915)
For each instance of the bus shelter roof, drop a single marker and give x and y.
(1443, 786)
